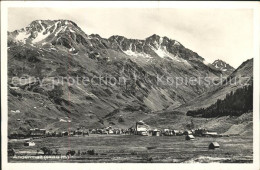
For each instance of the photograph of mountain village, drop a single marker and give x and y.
(130, 85)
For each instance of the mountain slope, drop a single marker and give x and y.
(137, 77)
(242, 76)
(175, 118)
(234, 104)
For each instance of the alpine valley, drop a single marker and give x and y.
(47, 50)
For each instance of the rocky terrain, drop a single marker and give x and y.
(223, 66)
(137, 79)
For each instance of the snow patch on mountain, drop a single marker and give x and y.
(22, 36)
(135, 53)
(41, 36)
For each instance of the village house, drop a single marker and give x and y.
(175, 132)
(187, 132)
(65, 133)
(85, 133)
(150, 133)
(102, 131)
(71, 133)
(59, 134)
(189, 137)
(156, 132)
(93, 131)
(29, 143)
(109, 130)
(78, 133)
(167, 132)
(142, 128)
(37, 132)
(200, 132)
(116, 131)
(210, 133)
(214, 145)
(48, 134)
(143, 133)
(17, 135)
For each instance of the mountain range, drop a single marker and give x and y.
(47, 50)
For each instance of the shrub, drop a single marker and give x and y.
(46, 151)
(71, 153)
(91, 152)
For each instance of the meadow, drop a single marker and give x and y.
(141, 149)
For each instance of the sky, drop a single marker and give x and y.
(225, 34)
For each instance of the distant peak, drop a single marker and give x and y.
(116, 38)
(52, 22)
(154, 36)
(222, 65)
(95, 35)
(38, 30)
(67, 22)
(219, 61)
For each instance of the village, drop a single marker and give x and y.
(140, 128)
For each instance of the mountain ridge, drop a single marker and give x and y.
(63, 26)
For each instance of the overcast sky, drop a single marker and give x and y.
(225, 34)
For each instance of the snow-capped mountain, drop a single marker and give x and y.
(223, 66)
(70, 36)
(51, 33)
(39, 30)
(154, 47)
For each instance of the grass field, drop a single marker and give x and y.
(132, 148)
